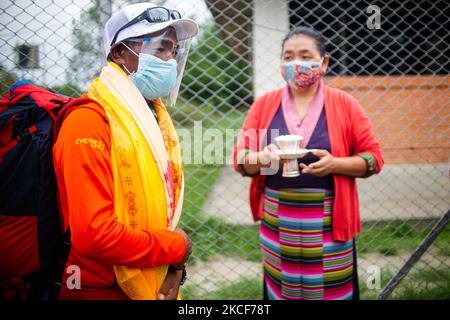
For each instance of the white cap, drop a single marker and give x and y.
(185, 28)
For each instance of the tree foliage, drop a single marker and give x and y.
(214, 74)
(6, 80)
(85, 60)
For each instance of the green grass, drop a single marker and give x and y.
(185, 113)
(199, 181)
(391, 237)
(424, 284)
(213, 236)
(421, 283)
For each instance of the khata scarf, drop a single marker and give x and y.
(147, 171)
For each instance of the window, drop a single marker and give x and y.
(27, 56)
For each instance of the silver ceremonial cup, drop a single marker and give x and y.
(289, 144)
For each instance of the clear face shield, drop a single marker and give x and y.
(166, 47)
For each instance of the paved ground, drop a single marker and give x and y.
(219, 270)
(399, 192)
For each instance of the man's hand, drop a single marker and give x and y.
(171, 285)
(180, 265)
(321, 168)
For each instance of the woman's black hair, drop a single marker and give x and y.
(309, 32)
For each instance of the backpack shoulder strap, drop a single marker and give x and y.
(45, 99)
(63, 256)
(71, 106)
(4, 149)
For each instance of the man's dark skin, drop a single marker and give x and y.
(122, 56)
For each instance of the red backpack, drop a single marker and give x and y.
(31, 240)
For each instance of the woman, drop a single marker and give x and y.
(308, 222)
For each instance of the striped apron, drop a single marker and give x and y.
(301, 260)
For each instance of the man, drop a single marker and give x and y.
(118, 164)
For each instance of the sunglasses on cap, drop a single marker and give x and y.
(152, 15)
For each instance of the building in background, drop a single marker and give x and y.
(35, 38)
(399, 72)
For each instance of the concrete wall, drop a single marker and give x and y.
(270, 25)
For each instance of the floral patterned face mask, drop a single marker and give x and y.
(301, 74)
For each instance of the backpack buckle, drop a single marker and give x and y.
(28, 132)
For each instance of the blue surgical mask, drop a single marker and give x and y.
(154, 78)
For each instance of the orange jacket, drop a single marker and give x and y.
(82, 161)
(350, 133)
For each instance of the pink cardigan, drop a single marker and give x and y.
(350, 133)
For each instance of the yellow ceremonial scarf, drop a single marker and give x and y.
(147, 171)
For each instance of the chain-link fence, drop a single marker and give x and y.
(391, 55)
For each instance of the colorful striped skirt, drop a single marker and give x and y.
(301, 260)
